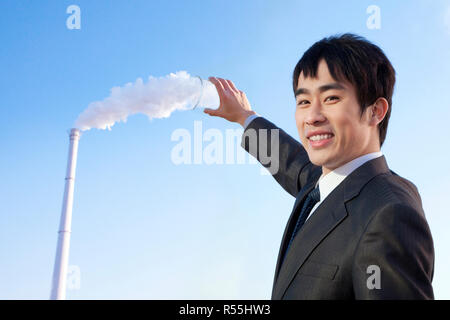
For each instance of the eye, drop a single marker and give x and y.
(331, 98)
(302, 102)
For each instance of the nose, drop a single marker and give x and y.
(315, 115)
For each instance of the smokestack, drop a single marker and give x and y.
(62, 249)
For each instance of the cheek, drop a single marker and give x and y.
(298, 117)
(299, 122)
(344, 128)
(349, 131)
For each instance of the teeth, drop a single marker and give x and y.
(320, 137)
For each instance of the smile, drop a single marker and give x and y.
(320, 140)
(320, 137)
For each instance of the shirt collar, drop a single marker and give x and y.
(327, 183)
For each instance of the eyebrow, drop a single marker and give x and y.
(325, 87)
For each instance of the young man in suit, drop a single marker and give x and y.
(357, 229)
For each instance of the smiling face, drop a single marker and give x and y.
(329, 121)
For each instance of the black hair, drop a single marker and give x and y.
(358, 61)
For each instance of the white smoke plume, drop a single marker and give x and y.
(157, 98)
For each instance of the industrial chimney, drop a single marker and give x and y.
(62, 249)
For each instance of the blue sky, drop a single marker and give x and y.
(143, 227)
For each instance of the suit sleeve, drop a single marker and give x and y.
(394, 258)
(282, 155)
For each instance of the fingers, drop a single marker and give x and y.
(232, 86)
(233, 102)
(212, 112)
(226, 85)
(219, 87)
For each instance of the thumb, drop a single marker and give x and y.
(212, 112)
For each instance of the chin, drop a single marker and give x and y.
(316, 159)
(321, 158)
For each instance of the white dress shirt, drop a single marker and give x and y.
(250, 119)
(327, 183)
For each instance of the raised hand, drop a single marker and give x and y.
(234, 105)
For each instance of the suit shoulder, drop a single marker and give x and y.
(386, 192)
(391, 189)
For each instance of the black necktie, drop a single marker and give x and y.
(312, 198)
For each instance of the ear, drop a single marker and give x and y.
(377, 111)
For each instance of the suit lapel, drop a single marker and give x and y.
(290, 224)
(326, 217)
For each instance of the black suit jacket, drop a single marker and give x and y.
(373, 219)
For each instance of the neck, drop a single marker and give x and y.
(326, 170)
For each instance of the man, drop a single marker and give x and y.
(357, 229)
